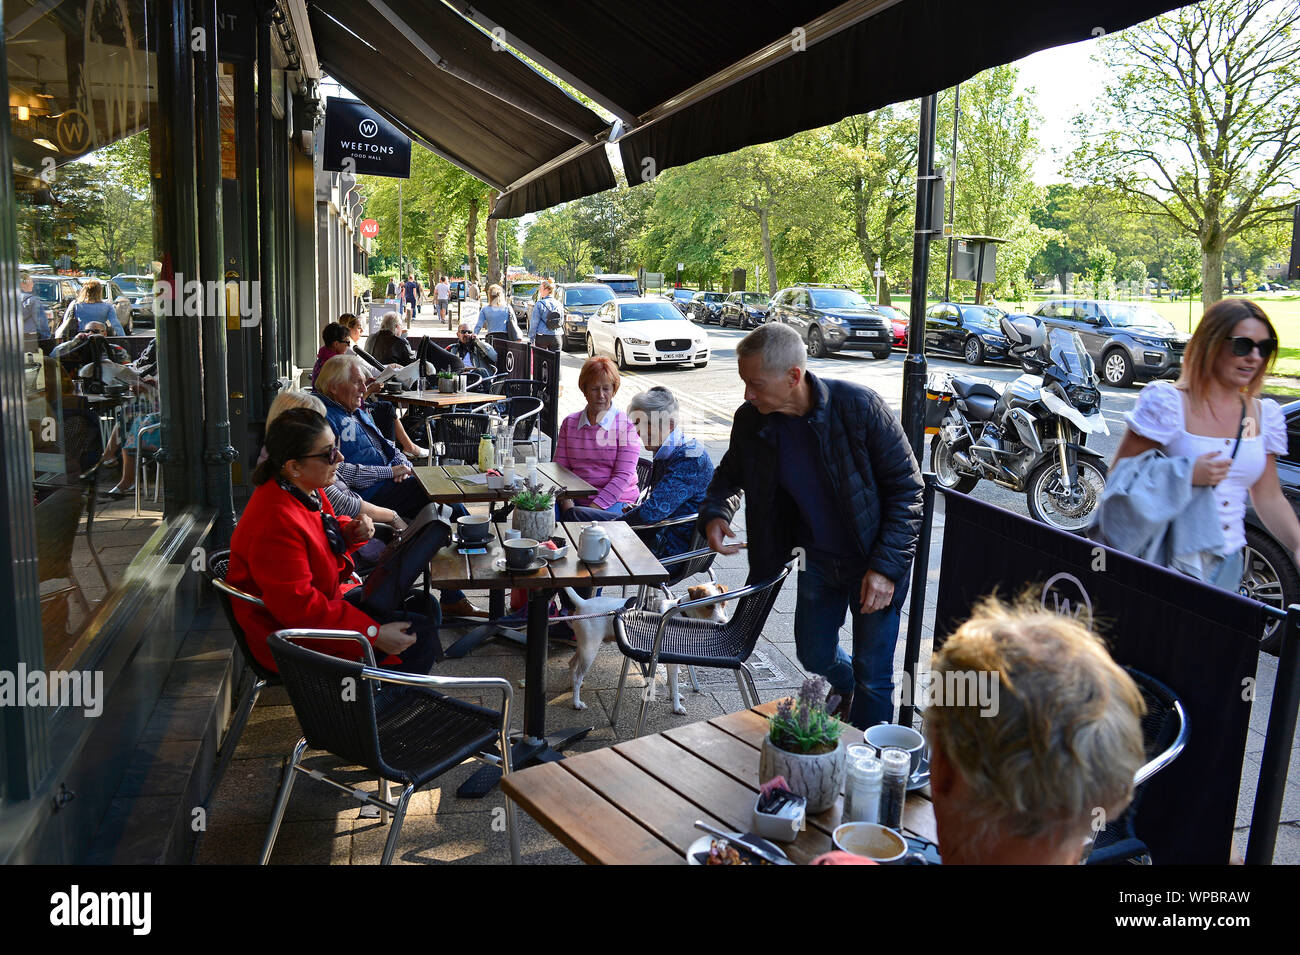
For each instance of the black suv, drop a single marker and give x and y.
(831, 318)
(581, 300)
(746, 309)
(705, 307)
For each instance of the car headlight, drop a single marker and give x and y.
(1151, 342)
(834, 319)
(636, 341)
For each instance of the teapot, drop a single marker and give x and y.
(593, 544)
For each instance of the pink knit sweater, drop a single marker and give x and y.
(603, 457)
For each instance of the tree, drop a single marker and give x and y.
(1202, 124)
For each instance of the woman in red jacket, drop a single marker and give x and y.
(292, 551)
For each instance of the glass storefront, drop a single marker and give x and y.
(82, 100)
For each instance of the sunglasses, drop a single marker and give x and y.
(332, 456)
(1243, 344)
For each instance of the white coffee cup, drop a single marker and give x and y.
(903, 737)
(871, 841)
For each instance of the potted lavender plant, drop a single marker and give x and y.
(803, 744)
(534, 515)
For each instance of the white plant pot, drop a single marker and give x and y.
(539, 525)
(818, 778)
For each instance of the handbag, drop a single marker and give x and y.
(405, 558)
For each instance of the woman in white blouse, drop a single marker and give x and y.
(1215, 400)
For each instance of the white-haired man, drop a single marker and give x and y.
(826, 467)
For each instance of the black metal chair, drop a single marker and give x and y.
(651, 638)
(1164, 736)
(644, 468)
(456, 434)
(520, 387)
(396, 725)
(218, 564)
(488, 383)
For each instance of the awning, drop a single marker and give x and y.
(683, 79)
(484, 110)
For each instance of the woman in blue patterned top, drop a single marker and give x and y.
(680, 475)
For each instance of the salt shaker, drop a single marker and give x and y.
(852, 754)
(897, 766)
(864, 783)
(508, 470)
(531, 463)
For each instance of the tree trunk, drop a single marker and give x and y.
(494, 266)
(471, 232)
(1211, 274)
(768, 259)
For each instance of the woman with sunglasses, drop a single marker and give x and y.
(291, 550)
(1215, 416)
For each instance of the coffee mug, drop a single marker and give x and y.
(871, 841)
(474, 527)
(520, 553)
(904, 737)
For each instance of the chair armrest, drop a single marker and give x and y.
(236, 592)
(682, 558)
(1168, 756)
(450, 683)
(671, 522)
(350, 635)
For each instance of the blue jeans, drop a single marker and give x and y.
(826, 589)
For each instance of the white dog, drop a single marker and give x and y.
(591, 632)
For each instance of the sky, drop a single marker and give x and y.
(1065, 81)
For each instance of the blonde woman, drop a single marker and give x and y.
(1214, 416)
(89, 307)
(495, 316)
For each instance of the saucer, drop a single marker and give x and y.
(921, 778)
(499, 565)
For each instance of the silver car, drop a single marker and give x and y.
(1128, 341)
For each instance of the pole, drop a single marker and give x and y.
(914, 364)
(401, 249)
(952, 202)
(1277, 745)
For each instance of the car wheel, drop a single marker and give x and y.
(816, 344)
(702, 364)
(1269, 576)
(591, 348)
(881, 354)
(618, 356)
(1116, 368)
(974, 351)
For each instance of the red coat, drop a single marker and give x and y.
(279, 552)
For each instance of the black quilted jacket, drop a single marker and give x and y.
(877, 483)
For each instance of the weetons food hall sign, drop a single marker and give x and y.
(361, 142)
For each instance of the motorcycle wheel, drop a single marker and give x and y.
(945, 471)
(1048, 502)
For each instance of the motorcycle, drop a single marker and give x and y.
(1032, 436)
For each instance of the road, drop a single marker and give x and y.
(710, 395)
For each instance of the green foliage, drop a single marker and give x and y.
(802, 724)
(534, 497)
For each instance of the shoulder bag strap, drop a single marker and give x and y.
(1241, 426)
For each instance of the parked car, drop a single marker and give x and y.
(1270, 574)
(680, 297)
(972, 331)
(645, 331)
(899, 322)
(831, 318)
(57, 292)
(138, 289)
(581, 300)
(522, 297)
(705, 307)
(621, 284)
(744, 310)
(1127, 340)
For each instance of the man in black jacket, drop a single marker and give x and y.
(827, 474)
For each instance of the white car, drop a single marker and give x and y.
(646, 331)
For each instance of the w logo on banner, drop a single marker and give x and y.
(368, 128)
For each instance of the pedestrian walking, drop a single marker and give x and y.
(825, 468)
(546, 318)
(442, 292)
(412, 291)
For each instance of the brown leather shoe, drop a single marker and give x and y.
(462, 608)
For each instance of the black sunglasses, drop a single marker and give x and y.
(332, 456)
(1242, 345)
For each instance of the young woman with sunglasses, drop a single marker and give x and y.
(291, 550)
(1214, 415)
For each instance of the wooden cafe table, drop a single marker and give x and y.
(443, 487)
(629, 562)
(636, 803)
(433, 398)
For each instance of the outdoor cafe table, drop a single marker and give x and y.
(629, 562)
(442, 486)
(432, 398)
(636, 803)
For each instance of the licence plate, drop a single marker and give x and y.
(681, 357)
(862, 334)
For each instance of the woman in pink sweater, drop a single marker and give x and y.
(601, 446)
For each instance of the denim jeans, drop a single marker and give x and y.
(826, 589)
(1228, 576)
